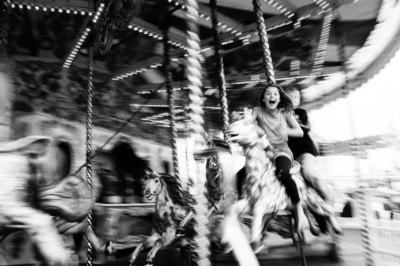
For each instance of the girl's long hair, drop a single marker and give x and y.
(285, 102)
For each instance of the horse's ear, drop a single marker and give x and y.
(235, 116)
(247, 114)
(148, 171)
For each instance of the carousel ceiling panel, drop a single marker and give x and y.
(40, 41)
(244, 6)
(363, 10)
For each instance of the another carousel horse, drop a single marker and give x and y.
(221, 188)
(263, 194)
(44, 205)
(173, 217)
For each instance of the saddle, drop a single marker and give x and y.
(53, 155)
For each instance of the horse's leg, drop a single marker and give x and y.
(166, 239)
(149, 242)
(234, 235)
(257, 226)
(152, 253)
(98, 244)
(313, 228)
(41, 229)
(335, 224)
(184, 222)
(309, 195)
(260, 223)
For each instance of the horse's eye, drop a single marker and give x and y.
(157, 180)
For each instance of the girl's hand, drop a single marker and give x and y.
(265, 142)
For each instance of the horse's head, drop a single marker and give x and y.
(241, 130)
(151, 184)
(70, 198)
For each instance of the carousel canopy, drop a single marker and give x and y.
(309, 40)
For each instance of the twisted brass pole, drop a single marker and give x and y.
(89, 112)
(171, 101)
(200, 244)
(220, 69)
(262, 32)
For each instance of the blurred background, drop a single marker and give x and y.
(343, 54)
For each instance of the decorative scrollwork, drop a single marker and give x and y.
(125, 11)
(117, 15)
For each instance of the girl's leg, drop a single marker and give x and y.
(283, 165)
(310, 172)
(282, 171)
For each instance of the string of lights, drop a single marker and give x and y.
(155, 35)
(136, 71)
(247, 38)
(323, 45)
(280, 7)
(295, 63)
(82, 38)
(166, 106)
(207, 17)
(50, 8)
(324, 5)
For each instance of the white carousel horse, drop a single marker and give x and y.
(46, 206)
(263, 194)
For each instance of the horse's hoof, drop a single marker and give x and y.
(257, 246)
(149, 263)
(180, 233)
(108, 248)
(227, 249)
(335, 226)
(300, 236)
(314, 230)
(337, 230)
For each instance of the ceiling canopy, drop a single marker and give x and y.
(49, 41)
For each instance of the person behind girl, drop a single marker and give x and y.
(275, 116)
(304, 150)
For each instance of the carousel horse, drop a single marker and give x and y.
(36, 197)
(263, 194)
(173, 214)
(221, 188)
(173, 217)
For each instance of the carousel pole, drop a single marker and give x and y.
(220, 69)
(171, 98)
(200, 243)
(262, 33)
(6, 87)
(89, 112)
(363, 200)
(295, 63)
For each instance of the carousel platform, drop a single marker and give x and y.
(278, 254)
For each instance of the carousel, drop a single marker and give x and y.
(126, 138)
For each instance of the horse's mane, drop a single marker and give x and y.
(174, 189)
(218, 142)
